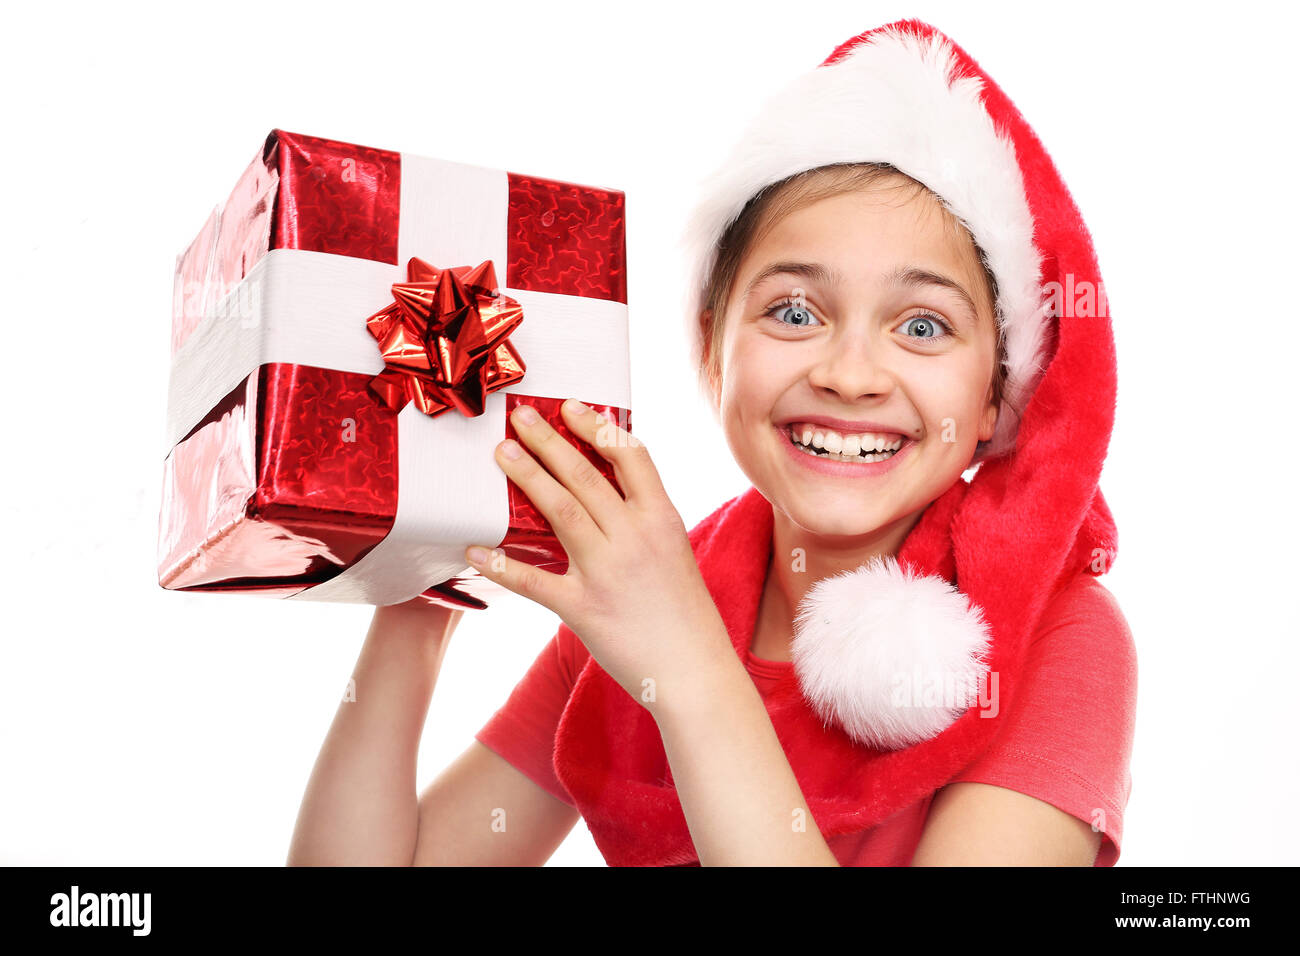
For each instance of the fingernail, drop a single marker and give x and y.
(527, 414)
(510, 448)
(477, 555)
(575, 406)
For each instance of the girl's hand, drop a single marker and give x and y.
(633, 592)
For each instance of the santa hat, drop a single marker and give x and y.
(1033, 517)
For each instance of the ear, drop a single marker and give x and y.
(989, 419)
(715, 384)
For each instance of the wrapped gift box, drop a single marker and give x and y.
(322, 443)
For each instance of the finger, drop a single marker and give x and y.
(574, 527)
(569, 466)
(550, 590)
(636, 473)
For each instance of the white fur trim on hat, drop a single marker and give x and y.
(894, 99)
(891, 657)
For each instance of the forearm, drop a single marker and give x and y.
(361, 804)
(740, 798)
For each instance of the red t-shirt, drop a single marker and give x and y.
(1067, 740)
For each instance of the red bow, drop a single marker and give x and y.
(444, 340)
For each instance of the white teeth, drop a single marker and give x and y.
(854, 448)
(837, 443)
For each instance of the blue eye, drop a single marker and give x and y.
(930, 325)
(933, 326)
(802, 316)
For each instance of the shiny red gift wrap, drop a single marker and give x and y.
(261, 496)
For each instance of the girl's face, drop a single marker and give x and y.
(865, 309)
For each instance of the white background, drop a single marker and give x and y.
(142, 726)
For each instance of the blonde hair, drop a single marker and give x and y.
(776, 201)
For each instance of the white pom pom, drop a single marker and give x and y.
(892, 657)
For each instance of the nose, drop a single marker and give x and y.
(854, 366)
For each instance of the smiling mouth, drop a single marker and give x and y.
(861, 458)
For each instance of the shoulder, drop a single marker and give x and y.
(1080, 676)
(1085, 595)
(1084, 633)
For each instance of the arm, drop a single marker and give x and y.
(978, 824)
(360, 807)
(742, 803)
(481, 811)
(360, 804)
(634, 592)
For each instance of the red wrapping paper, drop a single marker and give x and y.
(260, 496)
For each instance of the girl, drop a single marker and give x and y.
(865, 658)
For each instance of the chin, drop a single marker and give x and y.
(816, 518)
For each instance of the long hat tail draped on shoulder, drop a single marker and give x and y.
(962, 600)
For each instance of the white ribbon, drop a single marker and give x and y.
(309, 308)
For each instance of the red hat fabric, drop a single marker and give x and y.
(965, 593)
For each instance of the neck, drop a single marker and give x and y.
(800, 559)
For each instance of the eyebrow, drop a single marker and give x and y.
(902, 277)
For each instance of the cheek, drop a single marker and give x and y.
(948, 390)
(751, 379)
